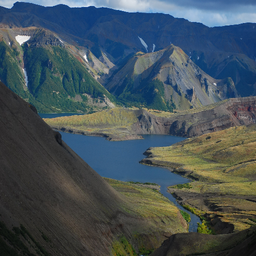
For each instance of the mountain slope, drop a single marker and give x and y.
(242, 243)
(104, 40)
(119, 33)
(54, 201)
(167, 79)
(48, 73)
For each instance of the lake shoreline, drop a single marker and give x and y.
(223, 212)
(130, 171)
(107, 136)
(183, 198)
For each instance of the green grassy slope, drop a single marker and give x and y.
(222, 165)
(58, 79)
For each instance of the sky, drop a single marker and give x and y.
(209, 12)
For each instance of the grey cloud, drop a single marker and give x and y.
(220, 5)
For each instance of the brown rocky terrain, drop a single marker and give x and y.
(233, 112)
(53, 200)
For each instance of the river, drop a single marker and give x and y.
(120, 160)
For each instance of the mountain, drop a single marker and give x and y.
(104, 41)
(53, 203)
(51, 75)
(167, 79)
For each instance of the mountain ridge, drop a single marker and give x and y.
(103, 40)
(183, 83)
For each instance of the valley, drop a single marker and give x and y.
(53, 203)
(122, 76)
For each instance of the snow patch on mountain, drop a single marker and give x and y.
(22, 39)
(154, 47)
(26, 76)
(143, 43)
(85, 57)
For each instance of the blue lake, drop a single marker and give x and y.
(120, 160)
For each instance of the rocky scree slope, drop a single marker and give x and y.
(51, 198)
(229, 113)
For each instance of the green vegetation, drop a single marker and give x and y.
(203, 228)
(181, 186)
(148, 203)
(143, 183)
(155, 209)
(116, 122)
(56, 78)
(145, 201)
(121, 247)
(10, 72)
(186, 216)
(223, 166)
(193, 210)
(144, 252)
(251, 219)
(149, 94)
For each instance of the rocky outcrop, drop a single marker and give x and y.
(223, 115)
(233, 112)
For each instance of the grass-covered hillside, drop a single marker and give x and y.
(152, 206)
(115, 122)
(222, 166)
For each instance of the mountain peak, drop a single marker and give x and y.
(17, 6)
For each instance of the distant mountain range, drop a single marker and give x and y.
(61, 59)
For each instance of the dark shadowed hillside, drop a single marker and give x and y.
(53, 203)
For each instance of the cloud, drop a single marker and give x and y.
(212, 5)
(208, 12)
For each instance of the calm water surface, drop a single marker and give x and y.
(120, 160)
